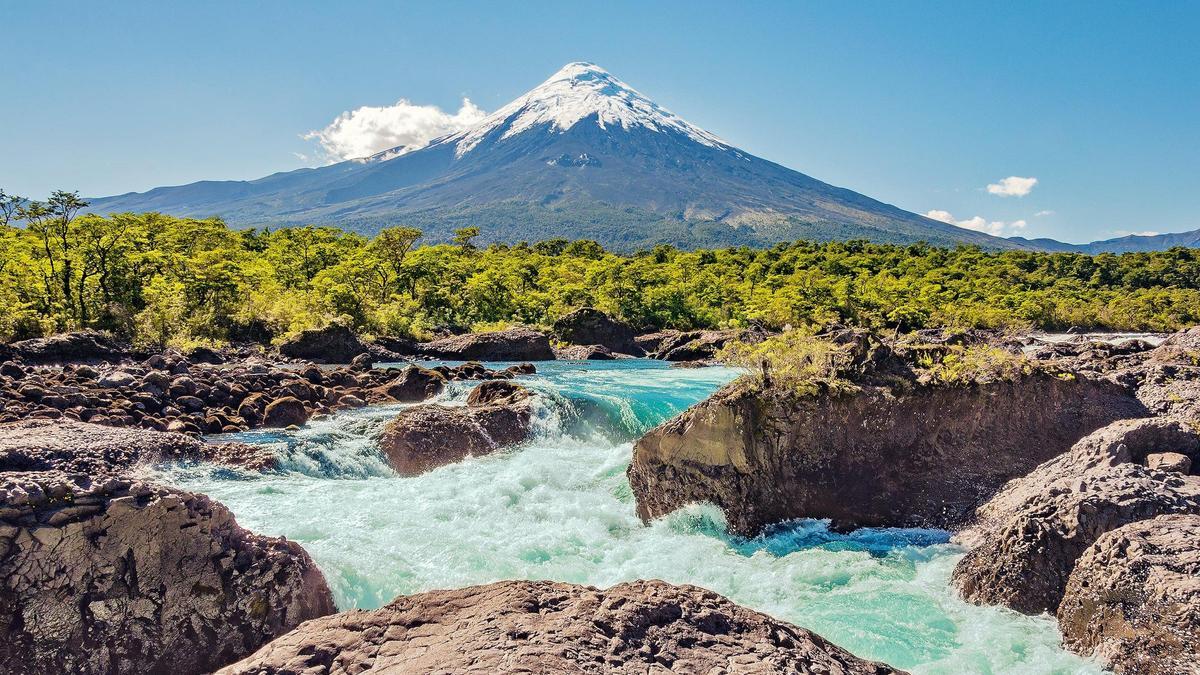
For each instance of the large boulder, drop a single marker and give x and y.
(411, 385)
(514, 344)
(1133, 601)
(590, 326)
(548, 627)
(93, 449)
(920, 456)
(1027, 538)
(117, 576)
(285, 412)
(421, 438)
(585, 353)
(335, 343)
(77, 347)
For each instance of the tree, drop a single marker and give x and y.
(463, 237)
(9, 206)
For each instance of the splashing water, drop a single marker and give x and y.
(559, 507)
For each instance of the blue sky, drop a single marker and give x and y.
(920, 104)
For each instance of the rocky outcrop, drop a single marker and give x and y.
(696, 345)
(334, 343)
(585, 353)
(514, 344)
(413, 384)
(421, 438)
(1133, 600)
(93, 449)
(588, 326)
(920, 456)
(1029, 536)
(111, 575)
(85, 346)
(547, 627)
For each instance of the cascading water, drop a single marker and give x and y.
(559, 507)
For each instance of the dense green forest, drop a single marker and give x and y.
(158, 279)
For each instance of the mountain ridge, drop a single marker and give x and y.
(583, 156)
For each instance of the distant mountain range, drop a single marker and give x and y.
(1128, 244)
(582, 155)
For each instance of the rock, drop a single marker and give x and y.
(588, 326)
(80, 346)
(118, 576)
(514, 344)
(1028, 537)
(549, 627)
(334, 343)
(93, 449)
(1133, 600)
(424, 437)
(1169, 461)
(521, 369)
(924, 456)
(585, 353)
(362, 362)
(12, 370)
(117, 378)
(205, 355)
(397, 346)
(285, 412)
(696, 345)
(413, 384)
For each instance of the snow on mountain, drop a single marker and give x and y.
(580, 90)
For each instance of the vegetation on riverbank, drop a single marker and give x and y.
(159, 279)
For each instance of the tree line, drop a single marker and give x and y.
(158, 279)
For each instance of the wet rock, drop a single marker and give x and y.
(411, 385)
(93, 449)
(117, 576)
(514, 344)
(498, 414)
(335, 343)
(548, 627)
(285, 412)
(1133, 600)
(1029, 536)
(362, 362)
(922, 456)
(585, 353)
(588, 326)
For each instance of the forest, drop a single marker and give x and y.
(160, 280)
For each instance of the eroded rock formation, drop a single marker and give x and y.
(514, 344)
(547, 627)
(588, 326)
(926, 456)
(1133, 600)
(112, 575)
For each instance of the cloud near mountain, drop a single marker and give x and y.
(401, 127)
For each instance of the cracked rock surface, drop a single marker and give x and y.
(550, 627)
(113, 575)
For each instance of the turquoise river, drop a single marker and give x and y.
(559, 507)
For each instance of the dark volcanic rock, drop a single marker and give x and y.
(548, 627)
(589, 326)
(411, 385)
(514, 344)
(585, 353)
(116, 576)
(1133, 601)
(424, 437)
(921, 457)
(68, 445)
(696, 345)
(334, 343)
(81, 346)
(285, 412)
(1029, 536)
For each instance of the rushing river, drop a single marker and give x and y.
(560, 508)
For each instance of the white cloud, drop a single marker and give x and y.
(1144, 233)
(1013, 186)
(996, 228)
(369, 130)
(1047, 212)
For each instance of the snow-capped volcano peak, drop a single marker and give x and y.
(578, 91)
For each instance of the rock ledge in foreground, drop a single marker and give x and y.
(549, 627)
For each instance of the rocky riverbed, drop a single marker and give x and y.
(1077, 472)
